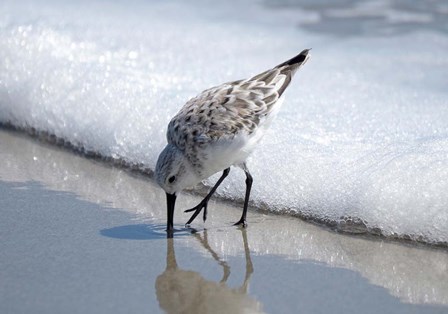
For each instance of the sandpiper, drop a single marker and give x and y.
(218, 129)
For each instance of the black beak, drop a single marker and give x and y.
(170, 202)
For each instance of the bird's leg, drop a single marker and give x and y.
(249, 181)
(203, 204)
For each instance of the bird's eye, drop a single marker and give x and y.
(172, 179)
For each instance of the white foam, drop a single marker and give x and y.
(363, 132)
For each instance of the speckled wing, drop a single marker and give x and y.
(223, 111)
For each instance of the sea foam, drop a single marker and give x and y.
(361, 142)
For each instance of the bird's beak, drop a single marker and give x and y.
(170, 202)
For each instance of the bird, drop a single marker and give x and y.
(218, 129)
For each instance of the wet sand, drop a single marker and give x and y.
(79, 236)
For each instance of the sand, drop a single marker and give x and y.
(80, 236)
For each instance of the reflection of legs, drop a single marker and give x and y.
(171, 263)
(203, 204)
(225, 266)
(249, 265)
(249, 181)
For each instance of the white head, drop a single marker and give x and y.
(174, 173)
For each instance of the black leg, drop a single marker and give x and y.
(203, 204)
(249, 181)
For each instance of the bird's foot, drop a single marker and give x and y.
(242, 222)
(197, 209)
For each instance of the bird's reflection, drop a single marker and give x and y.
(185, 291)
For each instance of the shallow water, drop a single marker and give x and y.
(362, 135)
(81, 236)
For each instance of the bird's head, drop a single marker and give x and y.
(173, 173)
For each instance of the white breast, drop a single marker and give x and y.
(231, 152)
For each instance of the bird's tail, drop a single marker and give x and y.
(290, 67)
(279, 77)
(296, 61)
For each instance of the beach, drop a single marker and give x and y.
(348, 211)
(80, 236)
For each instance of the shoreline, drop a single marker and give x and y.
(351, 226)
(412, 273)
(75, 256)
